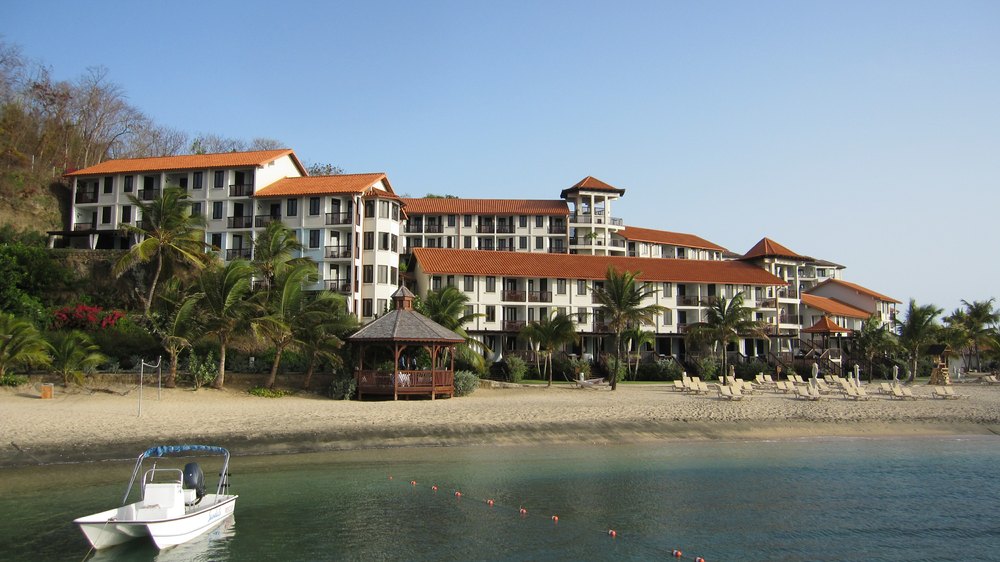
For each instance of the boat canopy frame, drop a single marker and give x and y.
(161, 451)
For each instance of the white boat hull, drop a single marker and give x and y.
(119, 525)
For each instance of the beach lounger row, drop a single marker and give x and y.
(946, 393)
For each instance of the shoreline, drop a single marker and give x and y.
(90, 426)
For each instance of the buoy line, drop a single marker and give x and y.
(522, 511)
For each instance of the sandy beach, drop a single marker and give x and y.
(80, 424)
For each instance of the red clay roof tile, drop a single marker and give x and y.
(323, 185)
(590, 183)
(858, 288)
(767, 248)
(833, 306)
(189, 162)
(665, 237)
(453, 206)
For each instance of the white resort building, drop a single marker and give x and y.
(517, 260)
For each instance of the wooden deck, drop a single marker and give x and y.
(406, 383)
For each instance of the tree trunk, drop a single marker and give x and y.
(309, 373)
(274, 368)
(618, 362)
(156, 279)
(549, 359)
(220, 379)
(171, 380)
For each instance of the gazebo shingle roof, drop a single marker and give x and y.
(405, 325)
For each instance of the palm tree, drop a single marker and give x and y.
(917, 330)
(74, 354)
(550, 332)
(274, 248)
(175, 320)
(979, 318)
(322, 340)
(635, 337)
(284, 306)
(726, 321)
(225, 306)
(621, 299)
(872, 340)
(448, 306)
(20, 344)
(168, 233)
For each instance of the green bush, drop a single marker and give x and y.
(125, 340)
(516, 368)
(342, 388)
(659, 370)
(466, 382)
(747, 371)
(265, 392)
(707, 367)
(10, 379)
(200, 371)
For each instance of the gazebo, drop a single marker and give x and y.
(826, 328)
(405, 331)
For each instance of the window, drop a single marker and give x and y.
(217, 210)
(220, 178)
(491, 284)
(128, 184)
(395, 212)
(383, 274)
(395, 243)
(522, 242)
(680, 253)
(196, 209)
(313, 206)
(126, 213)
(197, 180)
(436, 283)
(105, 215)
(369, 240)
(523, 221)
(668, 289)
(368, 274)
(383, 209)
(451, 220)
(451, 280)
(668, 317)
(394, 275)
(109, 184)
(491, 313)
(467, 242)
(291, 207)
(369, 209)
(384, 241)
(366, 308)
(217, 240)
(560, 286)
(314, 239)
(581, 287)
(469, 284)
(539, 243)
(467, 220)
(539, 221)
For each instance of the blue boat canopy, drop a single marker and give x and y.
(164, 450)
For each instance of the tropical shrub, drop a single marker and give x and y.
(127, 339)
(707, 368)
(74, 355)
(747, 371)
(342, 388)
(516, 368)
(265, 392)
(13, 380)
(200, 371)
(466, 382)
(659, 370)
(85, 317)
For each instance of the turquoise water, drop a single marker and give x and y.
(914, 499)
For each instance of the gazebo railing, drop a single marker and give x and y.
(406, 382)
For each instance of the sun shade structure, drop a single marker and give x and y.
(406, 332)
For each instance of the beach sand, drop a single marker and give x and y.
(80, 425)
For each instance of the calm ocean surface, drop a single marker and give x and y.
(844, 499)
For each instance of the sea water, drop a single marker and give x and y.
(827, 499)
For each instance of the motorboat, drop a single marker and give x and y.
(173, 507)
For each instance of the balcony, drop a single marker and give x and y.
(505, 229)
(601, 328)
(338, 252)
(415, 228)
(687, 300)
(260, 221)
(339, 285)
(486, 229)
(333, 219)
(488, 246)
(557, 229)
(558, 250)
(539, 296)
(237, 253)
(434, 228)
(505, 248)
(616, 243)
(84, 226)
(240, 190)
(148, 194)
(513, 295)
(788, 293)
(513, 325)
(86, 197)
(239, 222)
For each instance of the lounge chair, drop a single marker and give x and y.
(902, 393)
(823, 388)
(950, 392)
(702, 388)
(850, 392)
(679, 386)
(807, 393)
(784, 386)
(885, 388)
(727, 393)
(592, 383)
(942, 392)
(862, 393)
(759, 379)
(908, 393)
(768, 379)
(990, 379)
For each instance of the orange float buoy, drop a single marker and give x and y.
(458, 494)
(555, 518)
(677, 553)
(434, 487)
(699, 559)
(489, 503)
(612, 533)
(413, 482)
(390, 477)
(523, 511)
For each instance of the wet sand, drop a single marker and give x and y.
(80, 425)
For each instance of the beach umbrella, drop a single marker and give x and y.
(895, 373)
(857, 375)
(815, 373)
(732, 374)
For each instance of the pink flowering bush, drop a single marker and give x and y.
(85, 317)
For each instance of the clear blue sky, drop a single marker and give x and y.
(866, 133)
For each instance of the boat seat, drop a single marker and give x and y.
(160, 501)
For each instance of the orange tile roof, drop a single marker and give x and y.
(833, 306)
(825, 326)
(590, 183)
(665, 237)
(571, 266)
(322, 185)
(769, 248)
(453, 206)
(858, 288)
(189, 162)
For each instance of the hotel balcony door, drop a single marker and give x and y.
(275, 211)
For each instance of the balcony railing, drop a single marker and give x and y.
(788, 293)
(487, 246)
(434, 228)
(415, 228)
(511, 295)
(236, 253)
(505, 229)
(513, 325)
(86, 197)
(240, 190)
(261, 221)
(338, 218)
(557, 229)
(616, 243)
(539, 296)
(486, 229)
(558, 250)
(338, 285)
(601, 327)
(240, 222)
(84, 226)
(687, 300)
(338, 252)
(148, 194)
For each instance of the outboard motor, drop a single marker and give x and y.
(194, 479)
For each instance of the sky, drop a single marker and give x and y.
(866, 133)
